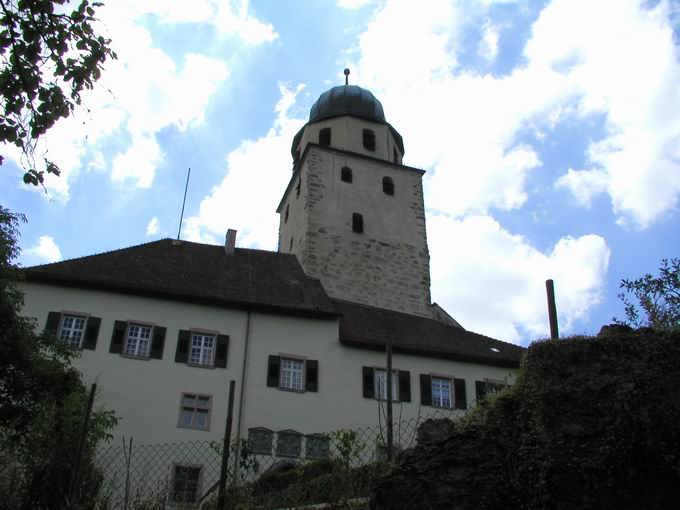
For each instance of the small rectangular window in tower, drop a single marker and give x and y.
(395, 154)
(291, 244)
(388, 186)
(325, 136)
(285, 217)
(369, 139)
(358, 223)
(346, 174)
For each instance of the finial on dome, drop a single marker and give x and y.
(346, 71)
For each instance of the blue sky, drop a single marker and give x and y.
(549, 131)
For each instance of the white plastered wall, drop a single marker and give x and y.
(146, 393)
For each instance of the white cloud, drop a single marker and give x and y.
(152, 227)
(352, 4)
(493, 282)
(623, 60)
(144, 90)
(257, 174)
(619, 62)
(488, 45)
(46, 250)
(584, 184)
(138, 162)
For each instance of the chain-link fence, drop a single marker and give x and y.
(267, 469)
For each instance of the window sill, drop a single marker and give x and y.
(199, 365)
(292, 390)
(187, 427)
(132, 356)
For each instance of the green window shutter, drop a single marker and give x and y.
(273, 371)
(425, 390)
(91, 333)
(182, 352)
(459, 393)
(311, 375)
(404, 386)
(480, 389)
(52, 324)
(369, 389)
(118, 337)
(221, 353)
(158, 342)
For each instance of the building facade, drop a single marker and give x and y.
(164, 327)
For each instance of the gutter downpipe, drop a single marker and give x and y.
(242, 396)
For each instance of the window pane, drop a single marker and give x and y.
(441, 392)
(202, 419)
(72, 328)
(187, 416)
(291, 373)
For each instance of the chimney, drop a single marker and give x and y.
(230, 242)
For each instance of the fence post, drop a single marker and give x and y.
(552, 309)
(75, 477)
(388, 380)
(221, 499)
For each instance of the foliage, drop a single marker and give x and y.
(48, 57)
(590, 423)
(42, 400)
(655, 300)
(348, 445)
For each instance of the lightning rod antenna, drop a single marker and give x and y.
(181, 216)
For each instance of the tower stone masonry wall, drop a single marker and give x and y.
(387, 265)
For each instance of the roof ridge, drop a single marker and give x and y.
(106, 252)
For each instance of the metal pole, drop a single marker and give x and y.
(181, 216)
(75, 477)
(221, 500)
(552, 310)
(128, 458)
(388, 378)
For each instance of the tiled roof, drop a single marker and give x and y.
(195, 272)
(203, 273)
(372, 328)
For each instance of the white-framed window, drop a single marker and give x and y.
(185, 484)
(72, 329)
(195, 411)
(291, 376)
(138, 340)
(381, 384)
(441, 392)
(202, 349)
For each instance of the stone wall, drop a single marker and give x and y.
(388, 264)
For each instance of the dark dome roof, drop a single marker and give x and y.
(347, 100)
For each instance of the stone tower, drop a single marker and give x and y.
(352, 213)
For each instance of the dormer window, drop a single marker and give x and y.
(369, 139)
(325, 136)
(346, 174)
(358, 223)
(388, 186)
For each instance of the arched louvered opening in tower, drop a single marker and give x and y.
(388, 186)
(325, 136)
(358, 223)
(369, 139)
(346, 174)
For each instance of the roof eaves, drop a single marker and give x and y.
(429, 353)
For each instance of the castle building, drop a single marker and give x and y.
(164, 327)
